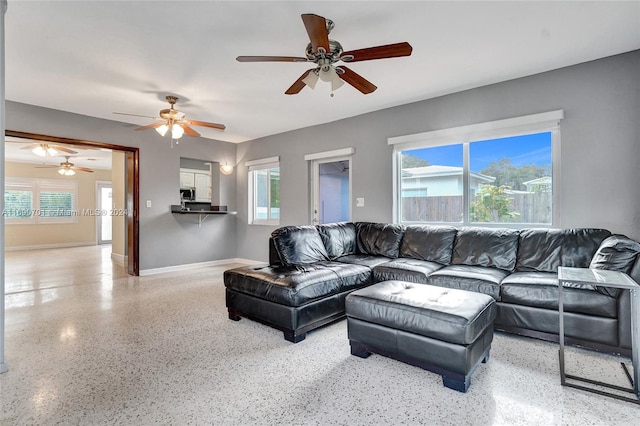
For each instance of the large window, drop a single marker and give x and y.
(264, 191)
(33, 201)
(466, 176)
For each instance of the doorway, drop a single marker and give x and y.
(132, 188)
(331, 190)
(104, 198)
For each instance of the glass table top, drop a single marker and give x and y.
(600, 277)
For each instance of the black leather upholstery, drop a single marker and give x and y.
(516, 268)
(488, 247)
(379, 239)
(299, 245)
(616, 253)
(471, 278)
(339, 239)
(543, 250)
(426, 242)
(412, 270)
(540, 289)
(450, 315)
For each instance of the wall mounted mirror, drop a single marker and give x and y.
(199, 181)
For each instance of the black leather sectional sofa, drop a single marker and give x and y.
(313, 268)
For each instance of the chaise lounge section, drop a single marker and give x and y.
(313, 268)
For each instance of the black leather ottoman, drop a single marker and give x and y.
(447, 331)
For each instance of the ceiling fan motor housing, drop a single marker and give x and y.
(335, 51)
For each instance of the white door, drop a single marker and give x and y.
(331, 187)
(105, 207)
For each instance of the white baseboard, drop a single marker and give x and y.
(119, 259)
(50, 246)
(153, 271)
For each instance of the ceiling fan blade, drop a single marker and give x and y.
(205, 124)
(271, 59)
(151, 126)
(298, 85)
(82, 169)
(317, 29)
(63, 149)
(379, 52)
(189, 131)
(356, 80)
(134, 115)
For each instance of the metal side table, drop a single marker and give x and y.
(611, 279)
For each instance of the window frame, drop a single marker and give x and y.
(252, 167)
(517, 126)
(37, 186)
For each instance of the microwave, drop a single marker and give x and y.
(188, 194)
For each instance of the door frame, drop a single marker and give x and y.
(315, 184)
(132, 187)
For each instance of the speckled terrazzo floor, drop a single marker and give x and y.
(88, 345)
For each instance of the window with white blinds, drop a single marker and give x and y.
(40, 201)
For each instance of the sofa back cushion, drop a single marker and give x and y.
(339, 239)
(428, 242)
(379, 239)
(616, 253)
(543, 250)
(489, 247)
(299, 245)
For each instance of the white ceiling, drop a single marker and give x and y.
(99, 57)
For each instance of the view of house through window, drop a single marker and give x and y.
(505, 180)
(264, 193)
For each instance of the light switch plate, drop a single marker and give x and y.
(148, 203)
(359, 202)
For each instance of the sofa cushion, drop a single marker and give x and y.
(299, 285)
(403, 269)
(338, 238)
(472, 278)
(363, 259)
(379, 239)
(543, 250)
(428, 242)
(299, 245)
(540, 290)
(489, 247)
(616, 253)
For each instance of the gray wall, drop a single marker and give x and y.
(600, 147)
(165, 239)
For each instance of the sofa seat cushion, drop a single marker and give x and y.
(448, 315)
(472, 278)
(540, 290)
(299, 285)
(363, 259)
(412, 270)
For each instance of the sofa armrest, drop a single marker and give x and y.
(274, 257)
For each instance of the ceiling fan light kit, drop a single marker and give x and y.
(325, 53)
(175, 121)
(43, 150)
(66, 171)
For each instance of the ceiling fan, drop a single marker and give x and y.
(325, 53)
(67, 168)
(44, 149)
(174, 120)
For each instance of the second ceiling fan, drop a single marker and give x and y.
(325, 53)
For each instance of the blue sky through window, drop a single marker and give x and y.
(521, 150)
